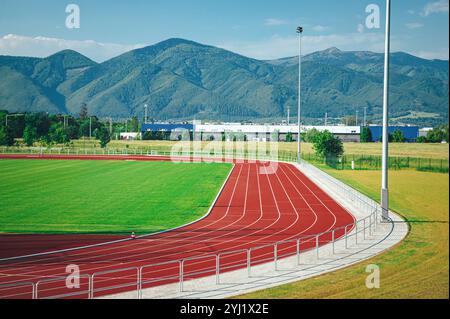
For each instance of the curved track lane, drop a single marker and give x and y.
(254, 210)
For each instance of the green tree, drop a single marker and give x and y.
(289, 137)
(103, 136)
(398, 137)
(6, 136)
(83, 112)
(40, 121)
(275, 136)
(422, 139)
(84, 128)
(30, 135)
(46, 141)
(311, 135)
(366, 135)
(327, 146)
(390, 138)
(58, 135)
(438, 134)
(134, 125)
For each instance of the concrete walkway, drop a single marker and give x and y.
(364, 242)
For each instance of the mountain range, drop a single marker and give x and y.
(184, 80)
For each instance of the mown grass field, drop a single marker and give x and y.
(416, 268)
(435, 151)
(41, 196)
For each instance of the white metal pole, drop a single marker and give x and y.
(365, 116)
(289, 115)
(90, 127)
(299, 151)
(146, 113)
(385, 157)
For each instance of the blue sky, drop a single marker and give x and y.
(263, 29)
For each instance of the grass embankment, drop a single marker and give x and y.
(38, 196)
(416, 268)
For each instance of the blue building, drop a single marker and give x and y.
(166, 127)
(411, 133)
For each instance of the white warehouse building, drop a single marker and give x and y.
(264, 133)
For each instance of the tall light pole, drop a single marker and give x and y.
(145, 113)
(90, 127)
(385, 157)
(299, 151)
(288, 115)
(365, 116)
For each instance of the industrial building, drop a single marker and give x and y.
(411, 133)
(251, 132)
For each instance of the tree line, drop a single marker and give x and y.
(47, 129)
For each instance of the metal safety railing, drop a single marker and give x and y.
(137, 279)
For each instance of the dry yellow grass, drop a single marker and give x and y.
(416, 268)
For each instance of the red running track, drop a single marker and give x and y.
(256, 209)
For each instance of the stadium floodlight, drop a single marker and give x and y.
(299, 139)
(385, 157)
(11, 115)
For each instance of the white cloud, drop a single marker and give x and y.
(432, 55)
(274, 22)
(414, 25)
(18, 45)
(279, 47)
(440, 6)
(319, 28)
(360, 28)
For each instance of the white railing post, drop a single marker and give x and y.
(317, 246)
(333, 239)
(217, 269)
(364, 230)
(376, 219)
(91, 286)
(346, 237)
(275, 255)
(249, 261)
(140, 283)
(36, 295)
(181, 276)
